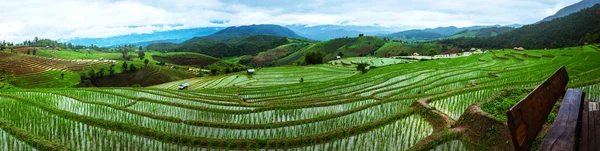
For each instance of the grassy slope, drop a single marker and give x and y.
(145, 76)
(48, 79)
(350, 47)
(185, 58)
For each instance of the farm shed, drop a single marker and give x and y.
(250, 71)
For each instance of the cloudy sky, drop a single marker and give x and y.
(25, 19)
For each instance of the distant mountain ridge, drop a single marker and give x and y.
(435, 33)
(329, 32)
(235, 32)
(233, 41)
(572, 9)
(266, 29)
(484, 32)
(568, 31)
(175, 36)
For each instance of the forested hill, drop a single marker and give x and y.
(484, 32)
(239, 46)
(233, 41)
(571, 30)
(572, 9)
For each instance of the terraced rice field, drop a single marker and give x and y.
(267, 77)
(20, 64)
(335, 108)
(373, 61)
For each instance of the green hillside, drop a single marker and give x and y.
(233, 41)
(349, 47)
(405, 49)
(424, 105)
(186, 58)
(238, 46)
(484, 32)
(268, 58)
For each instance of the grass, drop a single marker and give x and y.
(48, 79)
(78, 54)
(498, 105)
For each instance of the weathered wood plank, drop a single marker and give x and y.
(564, 131)
(526, 118)
(595, 138)
(584, 144)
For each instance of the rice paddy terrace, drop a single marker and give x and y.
(407, 106)
(20, 64)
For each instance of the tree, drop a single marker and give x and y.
(124, 67)
(101, 73)
(62, 76)
(313, 57)
(124, 53)
(227, 70)
(111, 70)
(340, 54)
(132, 68)
(146, 62)
(362, 67)
(361, 35)
(28, 51)
(141, 54)
(34, 50)
(432, 52)
(213, 71)
(92, 75)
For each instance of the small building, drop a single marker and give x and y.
(250, 71)
(338, 57)
(466, 53)
(416, 54)
(183, 86)
(519, 48)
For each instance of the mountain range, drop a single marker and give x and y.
(572, 30)
(439, 32)
(318, 32)
(233, 41)
(572, 9)
(175, 36)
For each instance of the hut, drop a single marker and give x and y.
(250, 71)
(519, 48)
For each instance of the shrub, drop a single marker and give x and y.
(313, 57)
(501, 103)
(362, 67)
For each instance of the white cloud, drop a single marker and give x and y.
(103, 18)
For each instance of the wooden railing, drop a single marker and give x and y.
(527, 117)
